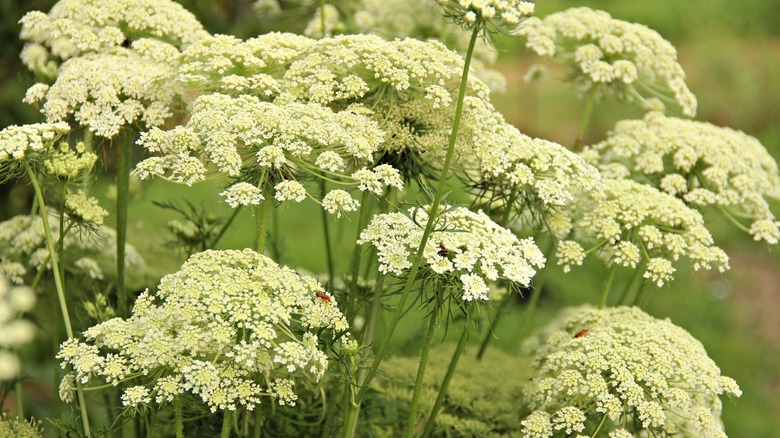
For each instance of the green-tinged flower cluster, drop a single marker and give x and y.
(630, 223)
(482, 399)
(493, 15)
(465, 245)
(622, 372)
(14, 331)
(20, 428)
(629, 60)
(229, 327)
(33, 144)
(90, 255)
(700, 163)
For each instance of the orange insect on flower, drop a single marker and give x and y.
(323, 297)
(581, 333)
(442, 251)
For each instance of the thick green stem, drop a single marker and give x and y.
(365, 210)
(258, 426)
(262, 212)
(19, 399)
(418, 383)
(227, 419)
(464, 337)
(589, 104)
(328, 247)
(322, 18)
(434, 209)
(641, 295)
(607, 287)
(58, 285)
(179, 421)
(122, 200)
(630, 286)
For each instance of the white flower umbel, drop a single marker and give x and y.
(27, 142)
(619, 366)
(627, 59)
(108, 90)
(495, 15)
(631, 222)
(266, 139)
(14, 331)
(75, 27)
(242, 194)
(700, 163)
(224, 327)
(465, 245)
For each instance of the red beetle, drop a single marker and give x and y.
(323, 297)
(581, 333)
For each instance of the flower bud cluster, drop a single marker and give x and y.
(466, 245)
(27, 142)
(492, 14)
(601, 50)
(619, 366)
(700, 163)
(229, 327)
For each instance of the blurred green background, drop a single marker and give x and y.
(731, 54)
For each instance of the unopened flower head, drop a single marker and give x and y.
(634, 223)
(14, 331)
(467, 246)
(82, 208)
(700, 163)
(225, 327)
(611, 54)
(75, 27)
(494, 15)
(628, 366)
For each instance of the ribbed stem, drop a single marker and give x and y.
(262, 212)
(55, 267)
(464, 337)
(122, 199)
(365, 210)
(500, 309)
(607, 287)
(328, 247)
(418, 383)
(179, 421)
(589, 104)
(227, 419)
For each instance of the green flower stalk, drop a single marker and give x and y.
(621, 372)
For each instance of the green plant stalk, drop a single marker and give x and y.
(590, 103)
(630, 286)
(418, 383)
(642, 294)
(354, 271)
(464, 337)
(258, 426)
(322, 17)
(500, 309)
(328, 245)
(607, 287)
(226, 422)
(179, 421)
(262, 212)
(19, 399)
(431, 218)
(58, 285)
(122, 200)
(350, 428)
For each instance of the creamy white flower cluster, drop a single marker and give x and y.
(630, 223)
(466, 245)
(275, 142)
(18, 143)
(88, 255)
(75, 27)
(507, 159)
(629, 59)
(494, 14)
(14, 331)
(229, 327)
(619, 366)
(700, 163)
